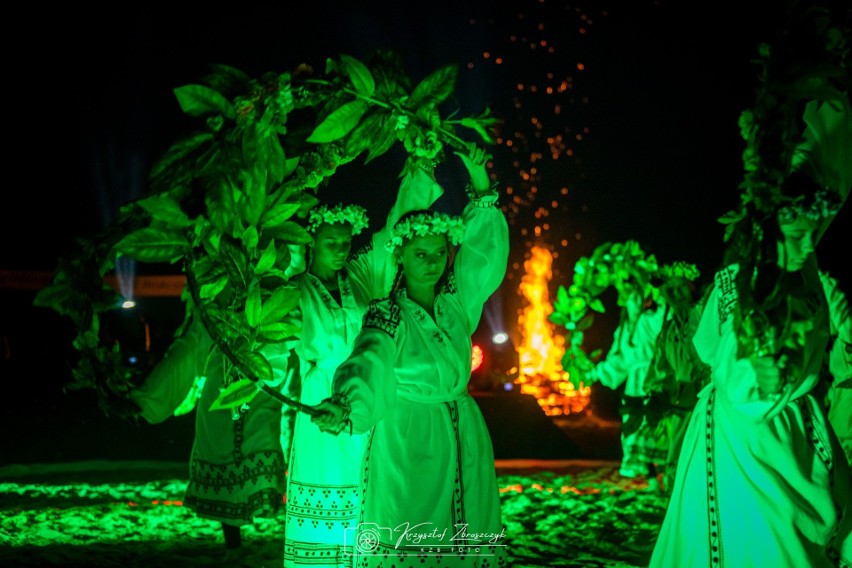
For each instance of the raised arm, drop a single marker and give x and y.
(480, 265)
(372, 268)
(751, 386)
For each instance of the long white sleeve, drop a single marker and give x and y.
(169, 382)
(840, 358)
(480, 265)
(734, 378)
(365, 380)
(630, 358)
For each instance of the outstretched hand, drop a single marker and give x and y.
(591, 377)
(475, 160)
(329, 418)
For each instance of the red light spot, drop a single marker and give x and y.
(476, 358)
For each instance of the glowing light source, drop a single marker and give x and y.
(127, 304)
(500, 337)
(125, 273)
(476, 358)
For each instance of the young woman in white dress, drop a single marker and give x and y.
(323, 469)
(430, 495)
(761, 479)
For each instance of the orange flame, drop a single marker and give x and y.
(540, 352)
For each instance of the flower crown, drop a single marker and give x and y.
(680, 269)
(825, 204)
(423, 224)
(355, 215)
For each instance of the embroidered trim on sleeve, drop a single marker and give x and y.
(725, 281)
(353, 256)
(383, 315)
(483, 200)
(449, 285)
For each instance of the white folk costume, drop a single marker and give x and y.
(839, 399)
(627, 363)
(761, 480)
(324, 470)
(428, 475)
(237, 465)
(677, 376)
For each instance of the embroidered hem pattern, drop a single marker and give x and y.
(236, 493)
(318, 517)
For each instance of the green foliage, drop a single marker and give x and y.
(359, 74)
(189, 403)
(623, 266)
(235, 395)
(807, 61)
(79, 292)
(339, 123)
(228, 201)
(200, 100)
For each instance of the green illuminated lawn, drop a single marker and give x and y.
(127, 515)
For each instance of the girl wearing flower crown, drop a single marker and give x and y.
(237, 471)
(429, 464)
(762, 480)
(324, 469)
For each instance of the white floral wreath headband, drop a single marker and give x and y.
(355, 215)
(423, 224)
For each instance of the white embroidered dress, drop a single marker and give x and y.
(627, 363)
(324, 470)
(237, 465)
(761, 481)
(428, 471)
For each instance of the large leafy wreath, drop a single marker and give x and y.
(808, 62)
(228, 201)
(623, 266)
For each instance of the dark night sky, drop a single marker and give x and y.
(662, 85)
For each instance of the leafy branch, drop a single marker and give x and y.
(228, 202)
(807, 61)
(623, 266)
